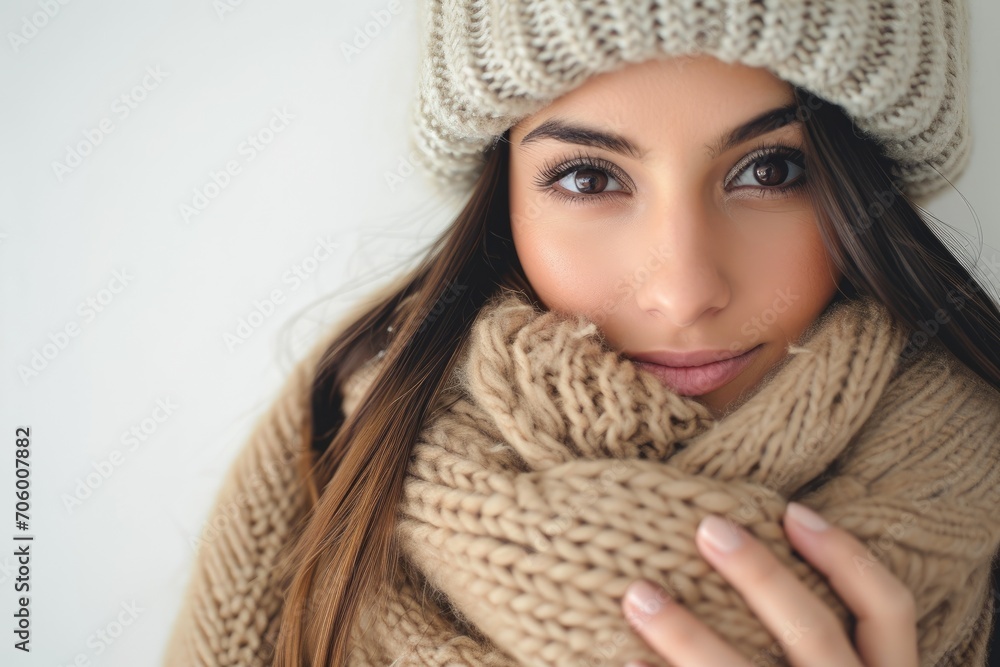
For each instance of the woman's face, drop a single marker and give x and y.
(653, 201)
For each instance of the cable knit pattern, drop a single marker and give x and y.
(553, 472)
(899, 68)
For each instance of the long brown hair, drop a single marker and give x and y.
(342, 550)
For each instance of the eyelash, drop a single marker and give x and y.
(553, 172)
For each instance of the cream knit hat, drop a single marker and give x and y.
(898, 67)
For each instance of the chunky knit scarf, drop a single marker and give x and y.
(554, 472)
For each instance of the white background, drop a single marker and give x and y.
(189, 283)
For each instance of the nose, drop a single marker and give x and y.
(689, 279)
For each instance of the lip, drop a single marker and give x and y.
(695, 373)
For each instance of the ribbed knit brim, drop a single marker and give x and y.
(899, 68)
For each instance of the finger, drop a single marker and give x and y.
(886, 632)
(674, 632)
(809, 632)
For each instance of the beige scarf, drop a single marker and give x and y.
(554, 473)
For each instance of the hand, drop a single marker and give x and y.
(886, 632)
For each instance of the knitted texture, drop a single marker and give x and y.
(899, 68)
(553, 472)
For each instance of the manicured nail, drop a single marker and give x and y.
(806, 517)
(646, 598)
(721, 535)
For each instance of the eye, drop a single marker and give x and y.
(589, 181)
(769, 168)
(583, 179)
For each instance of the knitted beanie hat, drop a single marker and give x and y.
(899, 68)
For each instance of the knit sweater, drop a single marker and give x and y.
(555, 472)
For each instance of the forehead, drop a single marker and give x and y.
(695, 94)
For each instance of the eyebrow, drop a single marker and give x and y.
(568, 132)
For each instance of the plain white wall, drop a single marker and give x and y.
(199, 78)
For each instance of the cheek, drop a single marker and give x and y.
(568, 260)
(792, 272)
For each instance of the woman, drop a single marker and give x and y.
(414, 496)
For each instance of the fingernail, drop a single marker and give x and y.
(721, 535)
(635, 663)
(806, 517)
(644, 597)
